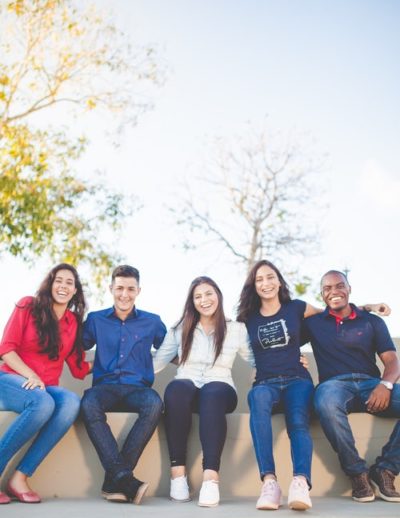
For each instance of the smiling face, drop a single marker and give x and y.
(267, 283)
(335, 291)
(205, 300)
(124, 291)
(63, 287)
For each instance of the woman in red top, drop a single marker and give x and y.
(41, 333)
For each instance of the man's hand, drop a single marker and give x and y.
(379, 399)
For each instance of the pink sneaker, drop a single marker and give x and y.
(299, 496)
(271, 495)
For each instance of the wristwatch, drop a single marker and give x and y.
(387, 384)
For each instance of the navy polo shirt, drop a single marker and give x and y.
(123, 346)
(347, 346)
(276, 341)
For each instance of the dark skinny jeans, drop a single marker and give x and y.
(211, 402)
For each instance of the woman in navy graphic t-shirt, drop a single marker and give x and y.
(273, 321)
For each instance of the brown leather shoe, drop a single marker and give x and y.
(382, 480)
(362, 489)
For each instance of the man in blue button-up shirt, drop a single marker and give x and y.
(122, 378)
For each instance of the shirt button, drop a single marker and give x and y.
(121, 356)
(123, 340)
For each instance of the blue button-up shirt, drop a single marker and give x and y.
(123, 346)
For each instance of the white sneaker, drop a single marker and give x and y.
(179, 490)
(209, 494)
(299, 495)
(271, 495)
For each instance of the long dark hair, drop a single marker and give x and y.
(249, 301)
(191, 317)
(46, 320)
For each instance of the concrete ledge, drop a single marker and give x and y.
(73, 470)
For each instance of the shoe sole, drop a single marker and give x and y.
(298, 505)
(114, 497)
(140, 493)
(364, 499)
(268, 507)
(203, 504)
(382, 495)
(179, 500)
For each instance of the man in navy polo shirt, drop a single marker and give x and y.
(122, 378)
(345, 341)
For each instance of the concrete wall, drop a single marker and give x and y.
(72, 469)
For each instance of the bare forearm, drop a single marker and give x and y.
(14, 361)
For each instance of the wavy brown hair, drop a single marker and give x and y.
(46, 320)
(249, 301)
(191, 317)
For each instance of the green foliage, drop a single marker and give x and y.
(56, 214)
(58, 53)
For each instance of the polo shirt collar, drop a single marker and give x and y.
(355, 313)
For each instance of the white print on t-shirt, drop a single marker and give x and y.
(274, 334)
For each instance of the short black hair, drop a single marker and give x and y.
(337, 272)
(124, 270)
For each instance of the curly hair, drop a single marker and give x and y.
(46, 320)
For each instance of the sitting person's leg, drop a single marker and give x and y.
(216, 399)
(180, 396)
(96, 402)
(297, 401)
(263, 399)
(48, 414)
(387, 465)
(148, 405)
(334, 399)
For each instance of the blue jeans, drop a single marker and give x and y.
(341, 395)
(48, 414)
(120, 398)
(212, 401)
(291, 395)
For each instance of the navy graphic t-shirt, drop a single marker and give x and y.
(276, 341)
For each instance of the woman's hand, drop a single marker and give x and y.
(382, 309)
(304, 361)
(33, 382)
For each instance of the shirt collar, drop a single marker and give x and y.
(355, 313)
(68, 316)
(110, 312)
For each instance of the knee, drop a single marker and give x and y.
(70, 405)
(43, 403)
(178, 390)
(154, 405)
(260, 399)
(90, 406)
(327, 404)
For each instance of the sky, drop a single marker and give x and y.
(328, 70)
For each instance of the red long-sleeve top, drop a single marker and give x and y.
(20, 335)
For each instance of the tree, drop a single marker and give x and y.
(62, 60)
(253, 201)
